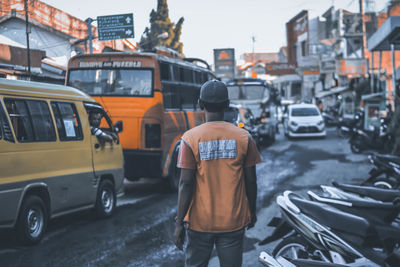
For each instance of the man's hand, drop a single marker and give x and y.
(252, 222)
(179, 236)
(114, 137)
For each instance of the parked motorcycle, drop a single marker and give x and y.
(345, 127)
(328, 234)
(269, 261)
(386, 171)
(377, 139)
(359, 192)
(329, 119)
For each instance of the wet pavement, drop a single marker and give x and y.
(140, 232)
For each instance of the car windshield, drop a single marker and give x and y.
(304, 112)
(130, 82)
(246, 92)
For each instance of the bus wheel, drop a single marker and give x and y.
(106, 199)
(175, 172)
(32, 220)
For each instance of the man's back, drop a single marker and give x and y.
(219, 155)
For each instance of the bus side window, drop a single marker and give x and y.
(176, 72)
(165, 71)
(171, 96)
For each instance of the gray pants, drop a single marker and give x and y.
(200, 245)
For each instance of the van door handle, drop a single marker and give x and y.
(97, 146)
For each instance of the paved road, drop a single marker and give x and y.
(140, 233)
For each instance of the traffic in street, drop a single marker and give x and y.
(199, 133)
(140, 232)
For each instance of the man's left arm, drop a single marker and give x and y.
(250, 178)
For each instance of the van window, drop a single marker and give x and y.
(5, 128)
(31, 120)
(43, 126)
(67, 121)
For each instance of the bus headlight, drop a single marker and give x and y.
(153, 135)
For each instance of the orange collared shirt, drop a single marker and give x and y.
(219, 151)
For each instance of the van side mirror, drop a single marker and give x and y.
(118, 126)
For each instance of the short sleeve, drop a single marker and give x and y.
(186, 159)
(253, 156)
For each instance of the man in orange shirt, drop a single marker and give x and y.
(218, 184)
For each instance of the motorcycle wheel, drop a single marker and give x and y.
(341, 133)
(388, 146)
(293, 247)
(384, 184)
(356, 145)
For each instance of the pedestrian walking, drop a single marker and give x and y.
(218, 184)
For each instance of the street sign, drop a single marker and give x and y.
(115, 27)
(224, 62)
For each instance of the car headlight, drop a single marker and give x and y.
(320, 123)
(293, 123)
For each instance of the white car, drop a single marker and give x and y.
(303, 120)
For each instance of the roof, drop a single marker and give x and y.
(387, 34)
(36, 89)
(246, 81)
(261, 57)
(303, 105)
(283, 50)
(7, 41)
(154, 56)
(335, 90)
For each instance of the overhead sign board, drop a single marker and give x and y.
(115, 27)
(354, 67)
(277, 68)
(224, 61)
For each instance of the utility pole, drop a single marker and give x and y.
(364, 33)
(253, 40)
(90, 36)
(27, 38)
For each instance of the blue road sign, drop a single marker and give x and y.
(115, 27)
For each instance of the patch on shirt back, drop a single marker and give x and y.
(217, 149)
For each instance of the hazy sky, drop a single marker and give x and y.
(213, 24)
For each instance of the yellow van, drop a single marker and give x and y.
(50, 162)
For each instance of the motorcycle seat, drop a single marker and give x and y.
(385, 195)
(333, 218)
(389, 157)
(378, 212)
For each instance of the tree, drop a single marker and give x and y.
(160, 25)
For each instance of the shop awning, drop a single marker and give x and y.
(335, 90)
(387, 34)
(374, 97)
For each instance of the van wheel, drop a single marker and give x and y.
(106, 199)
(175, 172)
(32, 220)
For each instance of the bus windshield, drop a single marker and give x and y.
(119, 82)
(248, 92)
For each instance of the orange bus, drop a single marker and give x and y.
(156, 97)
